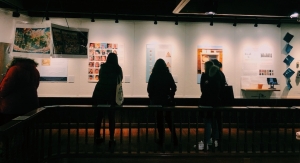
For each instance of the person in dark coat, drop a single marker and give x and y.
(210, 86)
(222, 96)
(105, 94)
(18, 89)
(161, 89)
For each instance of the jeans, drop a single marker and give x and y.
(210, 129)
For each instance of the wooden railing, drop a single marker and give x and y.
(67, 130)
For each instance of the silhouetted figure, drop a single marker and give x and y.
(161, 88)
(105, 94)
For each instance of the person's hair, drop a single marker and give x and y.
(160, 66)
(112, 58)
(16, 60)
(208, 65)
(217, 63)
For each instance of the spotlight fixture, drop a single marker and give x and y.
(294, 15)
(176, 21)
(116, 20)
(155, 20)
(16, 14)
(279, 24)
(47, 16)
(211, 21)
(210, 13)
(93, 18)
(255, 25)
(234, 23)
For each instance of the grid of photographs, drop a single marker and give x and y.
(98, 53)
(266, 72)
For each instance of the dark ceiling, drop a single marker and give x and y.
(243, 11)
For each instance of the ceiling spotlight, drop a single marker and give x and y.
(116, 20)
(255, 25)
(16, 14)
(234, 24)
(279, 24)
(47, 18)
(294, 15)
(211, 21)
(210, 13)
(155, 20)
(92, 20)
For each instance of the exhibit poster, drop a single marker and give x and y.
(257, 66)
(69, 42)
(97, 55)
(53, 69)
(154, 52)
(207, 53)
(32, 40)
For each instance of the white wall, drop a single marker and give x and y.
(184, 38)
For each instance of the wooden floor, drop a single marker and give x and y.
(138, 143)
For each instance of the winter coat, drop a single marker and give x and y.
(18, 89)
(211, 86)
(105, 89)
(160, 86)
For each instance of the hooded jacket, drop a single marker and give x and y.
(210, 86)
(18, 89)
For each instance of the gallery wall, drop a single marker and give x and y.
(184, 39)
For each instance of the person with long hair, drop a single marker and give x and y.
(161, 88)
(18, 89)
(105, 94)
(210, 86)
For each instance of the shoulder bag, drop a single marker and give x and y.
(119, 91)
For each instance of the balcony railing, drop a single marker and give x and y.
(64, 131)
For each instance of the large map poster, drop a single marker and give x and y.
(69, 41)
(98, 53)
(32, 40)
(154, 52)
(207, 53)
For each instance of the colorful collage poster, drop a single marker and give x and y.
(32, 40)
(98, 53)
(207, 53)
(154, 52)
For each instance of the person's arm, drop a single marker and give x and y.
(173, 86)
(9, 82)
(150, 85)
(202, 82)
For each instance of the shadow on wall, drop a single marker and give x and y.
(285, 92)
(297, 80)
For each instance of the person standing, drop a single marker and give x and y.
(18, 89)
(161, 88)
(104, 93)
(223, 83)
(210, 86)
